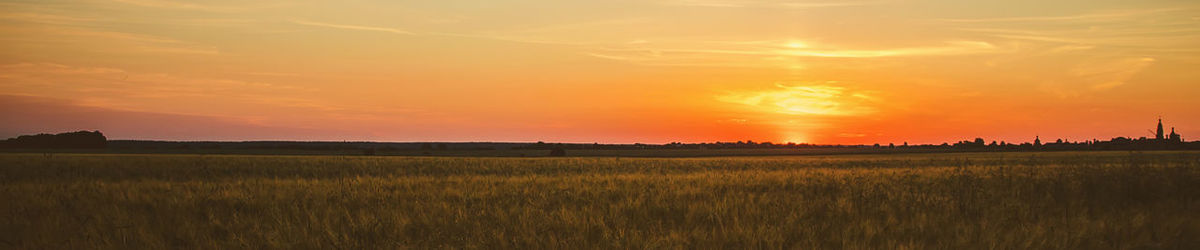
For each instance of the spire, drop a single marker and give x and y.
(1159, 134)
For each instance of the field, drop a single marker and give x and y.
(1082, 200)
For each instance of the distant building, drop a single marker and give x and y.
(1159, 135)
(1173, 137)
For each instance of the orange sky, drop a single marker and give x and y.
(616, 71)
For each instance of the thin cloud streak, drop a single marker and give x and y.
(353, 27)
(175, 5)
(442, 34)
(784, 4)
(1096, 16)
(762, 53)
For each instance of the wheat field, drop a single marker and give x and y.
(1081, 200)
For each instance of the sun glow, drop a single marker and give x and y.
(596, 71)
(796, 45)
(822, 100)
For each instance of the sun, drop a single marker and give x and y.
(795, 132)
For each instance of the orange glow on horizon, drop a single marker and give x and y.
(600, 71)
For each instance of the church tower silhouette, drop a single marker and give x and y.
(1159, 135)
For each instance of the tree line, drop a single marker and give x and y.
(78, 139)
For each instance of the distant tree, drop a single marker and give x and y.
(441, 146)
(558, 152)
(369, 151)
(426, 146)
(79, 139)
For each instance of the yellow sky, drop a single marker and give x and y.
(600, 71)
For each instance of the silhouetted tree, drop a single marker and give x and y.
(80, 139)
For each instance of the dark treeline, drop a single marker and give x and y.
(80, 139)
(978, 144)
(94, 139)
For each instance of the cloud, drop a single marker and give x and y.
(78, 33)
(948, 48)
(1108, 75)
(505, 38)
(353, 27)
(123, 89)
(1093, 74)
(805, 99)
(769, 4)
(43, 18)
(207, 7)
(21, 114)
(1109, 15)
(769, 53)
(1115, 30)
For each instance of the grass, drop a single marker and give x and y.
(1090, 200)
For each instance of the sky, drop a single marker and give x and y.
(612, 71)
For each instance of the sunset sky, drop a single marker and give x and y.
(612, 71)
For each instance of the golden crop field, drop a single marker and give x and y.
(1082, 200)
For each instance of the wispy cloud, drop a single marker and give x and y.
(504, 38)
(178, 5)
(1128, 29)
(1107, 15)
(39, 26)
(106, 83)
(1093, 74)
(120, 42)
(773, 4)
(804, 99)
(43, 18)
(121, 89)
(948, 48)
(353, 27)
(1108, 75)
(763, 53)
